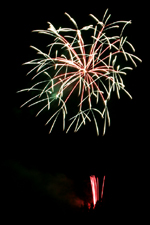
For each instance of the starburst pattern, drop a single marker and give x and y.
(88, 71)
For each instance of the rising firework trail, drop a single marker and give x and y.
(102, 191)
(85, 73)
(95, 189)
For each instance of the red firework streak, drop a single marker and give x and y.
(95, 188)
(102, 187)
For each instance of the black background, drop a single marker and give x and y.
(33, 159)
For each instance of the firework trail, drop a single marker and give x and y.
(73, 68)
(102, 191)
(95, 189)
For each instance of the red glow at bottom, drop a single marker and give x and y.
(95, 188)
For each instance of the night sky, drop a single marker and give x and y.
(46, 176)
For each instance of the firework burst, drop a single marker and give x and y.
(88, 71)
